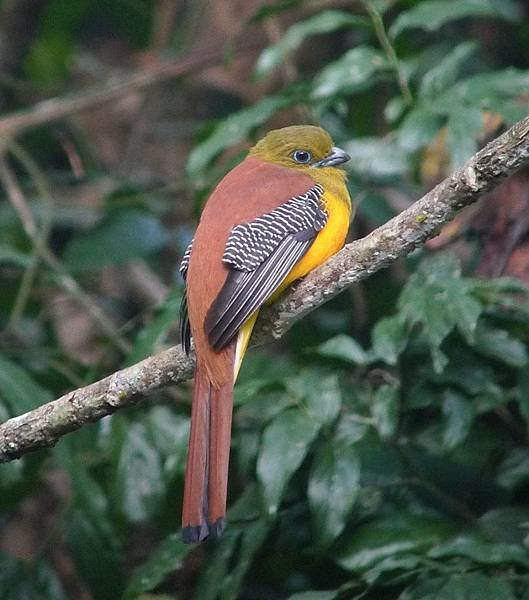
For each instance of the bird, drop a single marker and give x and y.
(276, 216)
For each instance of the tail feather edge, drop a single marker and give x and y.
(206, 478)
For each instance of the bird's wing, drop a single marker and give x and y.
(184, 265)
(185, 328)
(259, 255)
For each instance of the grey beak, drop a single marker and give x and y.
(336, 157)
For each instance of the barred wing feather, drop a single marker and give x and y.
(260, 254)
(185, 327)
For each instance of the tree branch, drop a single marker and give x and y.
(501, 158)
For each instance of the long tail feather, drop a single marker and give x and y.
(206, 479)
(221, 410)
(195, 510)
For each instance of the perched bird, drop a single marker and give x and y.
(279, 214)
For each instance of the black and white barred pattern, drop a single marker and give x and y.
(185, 260)
(250, 244)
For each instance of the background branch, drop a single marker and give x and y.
(61, 107)
(65, 280)
(499, 159)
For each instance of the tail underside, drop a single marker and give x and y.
(206, 477)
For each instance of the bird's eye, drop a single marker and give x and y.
(301, 156)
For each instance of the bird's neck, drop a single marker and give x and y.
(332, 181)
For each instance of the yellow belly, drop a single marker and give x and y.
(328, 242)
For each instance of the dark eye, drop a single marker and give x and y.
(301, 156)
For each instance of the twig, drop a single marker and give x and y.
(64, 279)
(40, 236)
(498, 160)
(383, 38)
(58, 108)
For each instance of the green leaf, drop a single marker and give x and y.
(319, 392)
(286, 441)
(269, 10)
(441, 267)
(12, 475)
(232, 130)
(121, 237)
(18, 390)
(438, 298)
(25, 580)
(394, 109)
(213, 575)
(459, 415)
(463, 308)
(138, 485)
(476, 586)
(385, 409)
(323, 22)
(445, 73)
(467, 372)
(488, 91)
(88, 495)
(418, 129)
(466, 586)
(481, 551)
(508, 524)
(169, 433)
(314, 595)
(421, 395)
(391, 535)
(155, 333)
(353, 71)
(10, 256)
(401, 562)
(48, 59)
(433, 14)
(523, 394)
(349, 430)
(377, 158)
(389, 337)
(247, 506)
(514, 470)
(494, 289)
(463, 129)
(165, 559)
(374, 207)
(98, 563)
(500, 345)
(382, 5)
(223, 574)
(345, 348)
(504, 83)
(332, 490)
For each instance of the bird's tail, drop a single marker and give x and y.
(206, 477)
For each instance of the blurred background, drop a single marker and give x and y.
(380, 450)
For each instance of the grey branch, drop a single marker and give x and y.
(501, 158)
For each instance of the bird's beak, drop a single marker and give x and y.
(336, 157)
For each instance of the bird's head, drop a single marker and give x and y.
(302, 147)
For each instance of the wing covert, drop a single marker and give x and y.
(260, 254)
(185, 328)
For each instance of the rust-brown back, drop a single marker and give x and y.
(252, 188)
